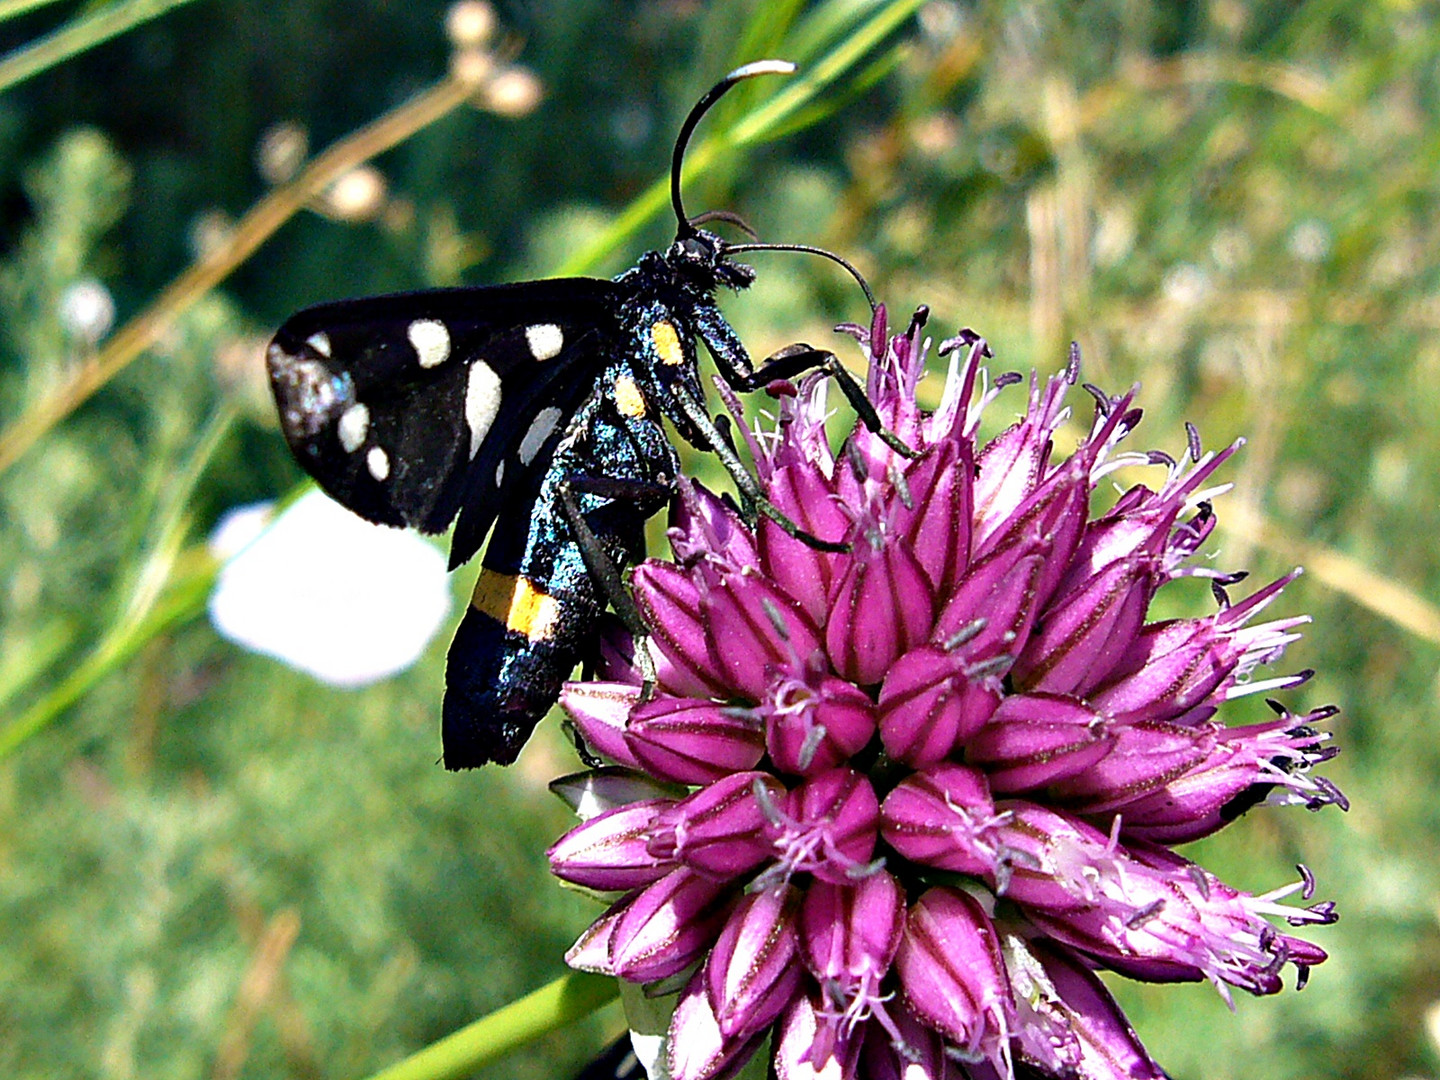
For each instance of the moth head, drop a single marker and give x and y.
(702, 258)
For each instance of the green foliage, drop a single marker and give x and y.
(212, 865)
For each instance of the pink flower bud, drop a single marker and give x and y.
(670, 601)
(721, 830)
(942, 816)
(704, 526)
(815, 721)
(808, 1045)
(1085, 633)
(668, 926)
(1035, 740)
(829, 828)
(600, 711)
(753, 628)
(882, 605)
(1144, 757)
(693, 740)
(609, 850)
(805, 496)
(952, 976)
(998, 594)
(933, 512)
(930, 703)
(753, 971)
(849, 935)
(912, 1051)
(696, 1049)
(1069, 1023)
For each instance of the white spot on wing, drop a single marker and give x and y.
(540, 430)
(500, 474)
(430, 340)
(546, 340)
(482, 402)
(378, 462)
(353, 427)
(320, 342)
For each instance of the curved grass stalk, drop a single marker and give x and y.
(76, 36)
(262, 221)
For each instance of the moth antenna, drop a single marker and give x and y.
(731, 249)
(760, 67)
(727, 216)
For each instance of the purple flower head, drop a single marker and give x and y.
(896, 805)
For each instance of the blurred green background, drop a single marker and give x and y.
(213, 866)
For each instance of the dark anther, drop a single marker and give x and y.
(1102, 399)
(1192, 436)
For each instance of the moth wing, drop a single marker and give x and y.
(398, 405)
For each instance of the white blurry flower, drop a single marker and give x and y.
(1186, 284)
(87, 310)
(282, 151)
(326, 592)
(513, 93)
(359, 195)
(470, 23)
(1310, 241)
(472, 66)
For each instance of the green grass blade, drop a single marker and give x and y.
(756, 126)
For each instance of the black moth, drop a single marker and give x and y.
(534, 408)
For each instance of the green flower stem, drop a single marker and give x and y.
(79, 34)
(562, 1002)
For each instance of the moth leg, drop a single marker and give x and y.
(733, 363)
(724, 426)
(599, 565)
(694, 411)
(796, 359)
